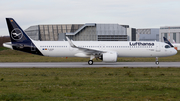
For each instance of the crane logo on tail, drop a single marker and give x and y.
(16, 34)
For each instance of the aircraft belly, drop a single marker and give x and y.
(136, 53)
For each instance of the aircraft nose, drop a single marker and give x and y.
(174, 51)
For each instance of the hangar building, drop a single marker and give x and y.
(82, 32)
(150, 34)
(170, 32)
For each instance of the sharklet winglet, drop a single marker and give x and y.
(70, 42)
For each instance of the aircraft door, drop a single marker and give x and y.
(158, 47)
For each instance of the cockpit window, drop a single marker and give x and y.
(167, 46)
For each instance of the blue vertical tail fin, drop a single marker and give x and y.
(17, 35)
(166, 41)
(20, 41)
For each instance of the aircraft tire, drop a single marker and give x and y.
(157, 62)
(90, 62)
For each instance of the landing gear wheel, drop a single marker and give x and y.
(90, 62)
(157, 62)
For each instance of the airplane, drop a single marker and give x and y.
(107, 51)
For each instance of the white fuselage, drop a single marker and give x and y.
(122, 48)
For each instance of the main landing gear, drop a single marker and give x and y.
(157, 62)
(90, 62)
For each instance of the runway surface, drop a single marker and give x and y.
(85, 64)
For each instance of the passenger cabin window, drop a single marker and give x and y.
(167, 46)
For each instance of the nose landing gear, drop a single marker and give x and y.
(90, 62)
(157, 62)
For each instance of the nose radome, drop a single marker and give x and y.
(174, 51)
(175, 48)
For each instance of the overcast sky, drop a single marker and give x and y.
(135, 13)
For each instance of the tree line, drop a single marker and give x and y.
(4, 39)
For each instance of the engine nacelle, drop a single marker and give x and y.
(109, 57)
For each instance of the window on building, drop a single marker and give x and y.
(174, 37)
(165, 35)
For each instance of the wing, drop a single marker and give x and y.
(87, 51)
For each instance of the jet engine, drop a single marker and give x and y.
(108, 57)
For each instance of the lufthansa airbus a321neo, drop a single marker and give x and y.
(107, 51)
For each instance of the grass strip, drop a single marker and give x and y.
(78, 84)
